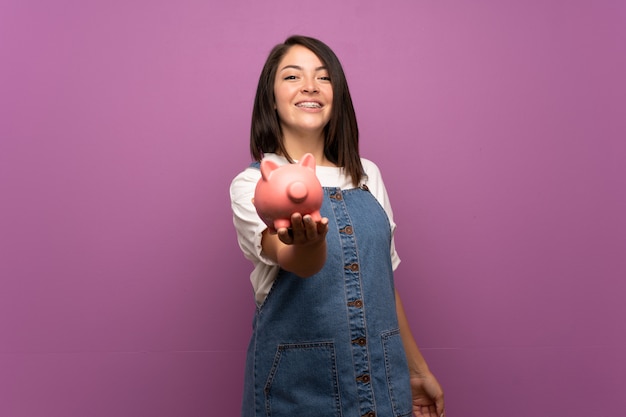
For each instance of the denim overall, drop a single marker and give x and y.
(329, 345)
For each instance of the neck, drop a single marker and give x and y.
(298, 146)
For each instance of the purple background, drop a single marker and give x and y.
(499, 126)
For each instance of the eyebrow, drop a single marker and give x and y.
(299, 68)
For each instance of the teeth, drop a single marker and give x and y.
(310, 105)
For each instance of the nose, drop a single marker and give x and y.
(310, 86)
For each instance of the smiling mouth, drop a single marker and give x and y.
(309, 105)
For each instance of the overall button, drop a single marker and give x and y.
(360, 341)
(352, 267)
(337, 196)
(363, 378)
(355, 303)
(347, 230)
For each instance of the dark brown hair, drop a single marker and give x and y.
(341, 134)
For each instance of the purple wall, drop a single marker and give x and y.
(500, 128)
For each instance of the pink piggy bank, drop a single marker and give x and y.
(287, 189)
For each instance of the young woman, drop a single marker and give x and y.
(330, 336)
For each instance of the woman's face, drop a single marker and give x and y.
(303, 93)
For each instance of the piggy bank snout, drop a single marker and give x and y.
(297, 191)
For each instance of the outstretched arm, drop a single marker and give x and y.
(427, 393)
(301, 250)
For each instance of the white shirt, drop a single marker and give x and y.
(250, 227)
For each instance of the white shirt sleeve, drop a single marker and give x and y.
(247, 223)
(250, 227)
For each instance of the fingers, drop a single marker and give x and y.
(303, 230)
(285, 235)
(427, 411)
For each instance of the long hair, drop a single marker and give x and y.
(341, 133)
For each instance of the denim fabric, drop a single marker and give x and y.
(329, 345)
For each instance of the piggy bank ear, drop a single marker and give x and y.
(308, 160)
(266, 168)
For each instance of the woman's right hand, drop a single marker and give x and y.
(300, 249)
(303, 230)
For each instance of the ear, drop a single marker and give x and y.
(308, 160)
(266, 168)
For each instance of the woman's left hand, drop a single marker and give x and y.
(427, 396)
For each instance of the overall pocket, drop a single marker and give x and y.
(303, 381)
(397, 371)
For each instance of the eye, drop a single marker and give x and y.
(325, 78)
(290, 77)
